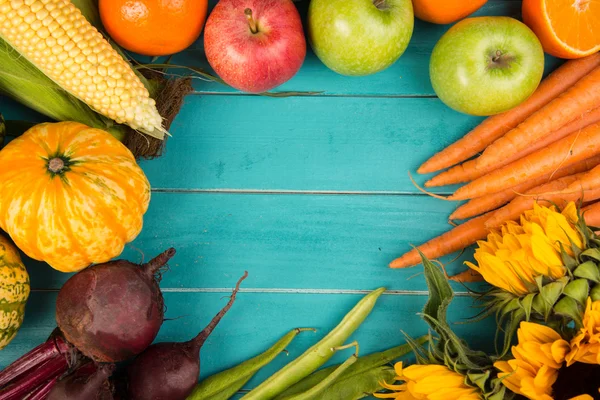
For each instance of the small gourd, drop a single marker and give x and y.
(14, 291)
(71, 195)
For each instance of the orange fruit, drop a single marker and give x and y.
(566, 28)
(445, 11)
(153, 27)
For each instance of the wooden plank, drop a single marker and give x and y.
(409, 76)
(304, 143)
(289, 242)
(257, 320)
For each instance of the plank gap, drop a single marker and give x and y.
(295, 191)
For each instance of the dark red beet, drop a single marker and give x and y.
(111, 312)
(169, 371)
(89, 382)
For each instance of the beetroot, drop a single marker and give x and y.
(169, 371)
(111, 312)
(88, 382)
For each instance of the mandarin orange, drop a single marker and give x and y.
(445, 11)
(566, 28)
(153, 27)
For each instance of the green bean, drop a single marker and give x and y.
(318, 354)
(360, 385)
(233, 379)
(363, 364)
(319, 388)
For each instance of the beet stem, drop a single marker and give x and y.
(157, 262)
(52, 348)
(52, 368)
(199, 340)
(41, 393)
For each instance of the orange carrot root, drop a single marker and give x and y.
(456, 239)
(576, 147)
(467, 276)
(581, 98)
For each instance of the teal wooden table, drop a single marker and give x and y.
(309, 194)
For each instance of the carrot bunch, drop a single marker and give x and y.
(547, 149)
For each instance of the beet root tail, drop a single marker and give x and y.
(199, 340)
(159, 261)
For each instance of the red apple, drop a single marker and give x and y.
(255, 45)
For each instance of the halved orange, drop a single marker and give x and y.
(566, 28)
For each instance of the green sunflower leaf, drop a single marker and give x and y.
(568, 307)
(588, 270)
(578, 290)
(592, 253)
(440, 292)
(526, 304)
(595, 293)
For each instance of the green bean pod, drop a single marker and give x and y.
(318, 354)
(360, 385)
(363, 365)
(219, 386)
(319, 388)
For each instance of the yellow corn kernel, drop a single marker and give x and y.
(55, 28)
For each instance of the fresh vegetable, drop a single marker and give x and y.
(469, 170)
(169, 371)
(362, 366)
(111, 312)
(591, 214)
(77, 57)
(87, 382)
(255, 45)
(445, 11)
(581, 98)
(574, 148)
(467, 276)
(561, 191)
(108, 312)
(151, 32)
(317, 391)
(486, 65)
(318, 354)
(359, 37)
(77, 197)
(495, 126)
(226, 383)
(455, 239)
(480, 205)
(566, 29)
(42, 391)
(14, 291)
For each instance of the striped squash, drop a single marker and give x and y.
(71, 195)
(14, 291)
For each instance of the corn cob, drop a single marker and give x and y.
(55, 37)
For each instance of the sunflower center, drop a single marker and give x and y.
(578, 379)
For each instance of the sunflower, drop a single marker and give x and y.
(429, 382)
(512, 258)
(539, 355)
(541, 269)
(547, 365)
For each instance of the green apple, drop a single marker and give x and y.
(359, 37)
(486, 65)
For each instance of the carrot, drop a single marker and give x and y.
(469, 171)
(591, 214)
(589, 181)
(467, 276)
(556, 192)
(456, 239)
(576, 147)
(495, 126)
(489, 202)
(582, 97)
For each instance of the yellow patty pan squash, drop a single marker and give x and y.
(14, 291)
(71, 195)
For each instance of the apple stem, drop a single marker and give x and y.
(251, 21)
(497, 56)
(380, 4)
